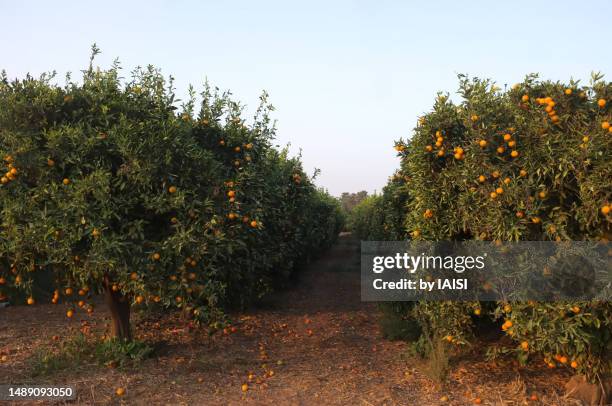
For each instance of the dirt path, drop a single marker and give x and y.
(314, 344)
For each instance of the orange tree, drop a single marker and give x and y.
(531, 163)
(380, 217)
(109, 188)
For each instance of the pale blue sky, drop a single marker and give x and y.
(347, 77)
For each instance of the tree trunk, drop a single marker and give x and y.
(119, 307)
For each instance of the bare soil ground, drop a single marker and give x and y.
(313, 344)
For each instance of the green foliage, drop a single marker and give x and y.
(112, 182)
(80, 351)
(380, 217)
(531, 163)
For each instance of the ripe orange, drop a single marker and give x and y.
(533, 397)
(237, 149)
(520, 214)
(507, 137)
(563, 360)
(585, 139)
(244, 387)
(523, 173)
(507, 181)
(30, 300)
(474, 117)
(568, 91)
(428, 148)
(601, 103)
(555, 119)
(512, 144)
(500, 150)
(134, 276)
(172, 189)
(574, 364)
(66, 181)
(482, 143)
(139, 299)
(477, 312)
(477, 401)
(499, 191)
(444, 398)
(156, 256)
(120, 391)
(525, 345)
(605, 125)
(231, 193)
(70, 313)
(481, 179)
(438, 144)
(4, 180)
(254, 223)
(535, 220)
(68, 291)
(493, 195)
(542, 194)
(428, 214)
(441, 153)
(525, 98)
(605, 210)
(2, 280)
(495, 174)
(221, 142)
(514, 154)
(249, 146)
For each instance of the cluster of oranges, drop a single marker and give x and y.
(231, 194)
(550, 107)
(11, 173)
(561, 359)
(439, 144)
